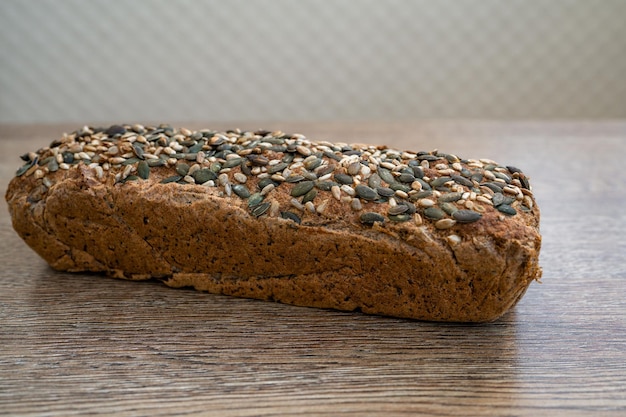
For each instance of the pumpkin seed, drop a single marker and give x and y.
(344, 178)
(53, 165)
(155, 162)
(302, 188)
(182, 169)
(450, 197)
(294, 178)
(22, 170)
(264, 182)
(241, 190)
(290, 216)
(325, 185)
(374, 181)
(130, 161)
(309, 196)
(466, 216)
(385, 191)
(203, 175)
(312, 163)
(396, 186)
(138, 150)
(448, 208)
(405, 177)
(506, 209)
(434, 213)
(461, 180)
(399, 209)
(273, 169)
(230, 163)
(143, 170)
(255, 199)
(366, 192)
(386, 175)
(404, 217)
(497, 199)
(438, 182)
(371, 218)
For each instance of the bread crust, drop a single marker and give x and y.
(192, 235)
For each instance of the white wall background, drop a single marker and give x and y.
(205, 60)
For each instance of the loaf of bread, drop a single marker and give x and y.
(275, 216)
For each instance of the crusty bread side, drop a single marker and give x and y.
(256, 230)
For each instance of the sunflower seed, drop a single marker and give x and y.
(260, 209)
(445, 224)
(240, 178)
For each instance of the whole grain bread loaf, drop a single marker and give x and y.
(275, 216)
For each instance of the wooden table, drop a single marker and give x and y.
(81, 344)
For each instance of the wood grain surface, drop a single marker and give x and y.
(76, 344)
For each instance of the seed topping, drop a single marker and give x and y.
(377, 184)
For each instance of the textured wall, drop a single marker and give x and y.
(163, 60)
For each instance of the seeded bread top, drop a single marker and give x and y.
(371, 185)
